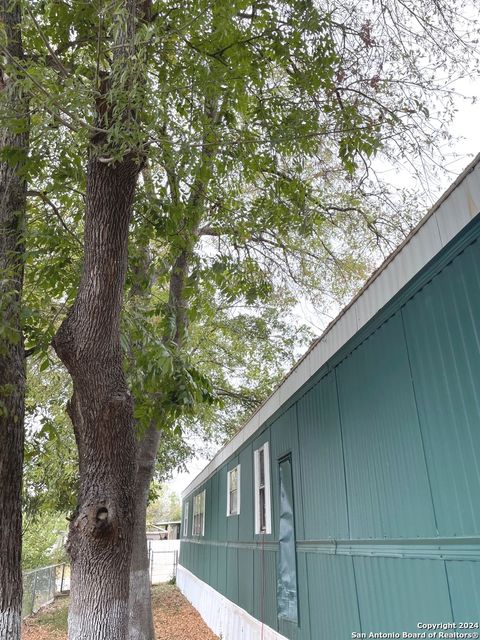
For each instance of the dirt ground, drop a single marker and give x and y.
(175, 619)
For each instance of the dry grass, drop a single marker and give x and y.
(174, 617)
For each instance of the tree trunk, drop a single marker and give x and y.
(140, 617)
(140, 609)
(140, 606)
(12, 355)
(88, 343)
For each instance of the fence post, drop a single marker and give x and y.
(150, 559)
(53, 578)
(50, 585)
(61, 581)
(34, 591)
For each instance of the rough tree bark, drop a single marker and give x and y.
(101, 408)
(88, 343)
(140, 606)
(12, 355)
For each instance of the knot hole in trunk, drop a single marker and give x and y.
(102, 514)
(102, 523)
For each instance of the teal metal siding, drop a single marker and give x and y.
(464, 581)
(221, 569)
(265, 587)
(284, 440)
(384, 448)
(332, 597)
(323, 491)
(388, 490)
(443, 331)
(245, 579)
(395, 594)
(245, 520)
(232, 574)
(222, 503)
(214, 567)
(215, 515)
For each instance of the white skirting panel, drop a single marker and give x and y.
(226, 619)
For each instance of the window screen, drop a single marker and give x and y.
(233, 492)
(185, 520)
(262, 490)
(198, 527)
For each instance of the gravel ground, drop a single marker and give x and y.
(175, 619)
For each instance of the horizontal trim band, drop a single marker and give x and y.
(427, 548)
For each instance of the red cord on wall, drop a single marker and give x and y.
(262, 595)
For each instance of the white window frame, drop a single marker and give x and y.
(237, 512)
(267, 489)
(202, 502)
(185, 519)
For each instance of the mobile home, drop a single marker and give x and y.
(349, 504)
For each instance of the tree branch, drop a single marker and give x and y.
(43, 196)
(58, 63)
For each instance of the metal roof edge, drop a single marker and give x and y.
(254, 422)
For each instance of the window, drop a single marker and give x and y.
(185, 520)
(198, 527)
(263, 523)
(233, 492)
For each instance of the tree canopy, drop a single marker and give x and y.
(252, 127)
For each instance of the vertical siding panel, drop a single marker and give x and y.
(232, 574)
(331, 596)
(222, 570)
(245, 524)
(183, 555)
(270, 593)
(323, 481)
(284, 440)
(206, 550)
(214, 507)
(442, 325)
(214, 566)
(397, 593)
(245, 579)
(222, 504)
(387, 482)
(464, 582)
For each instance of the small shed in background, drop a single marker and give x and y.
(164, 531)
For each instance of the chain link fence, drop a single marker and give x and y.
(40, 586)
